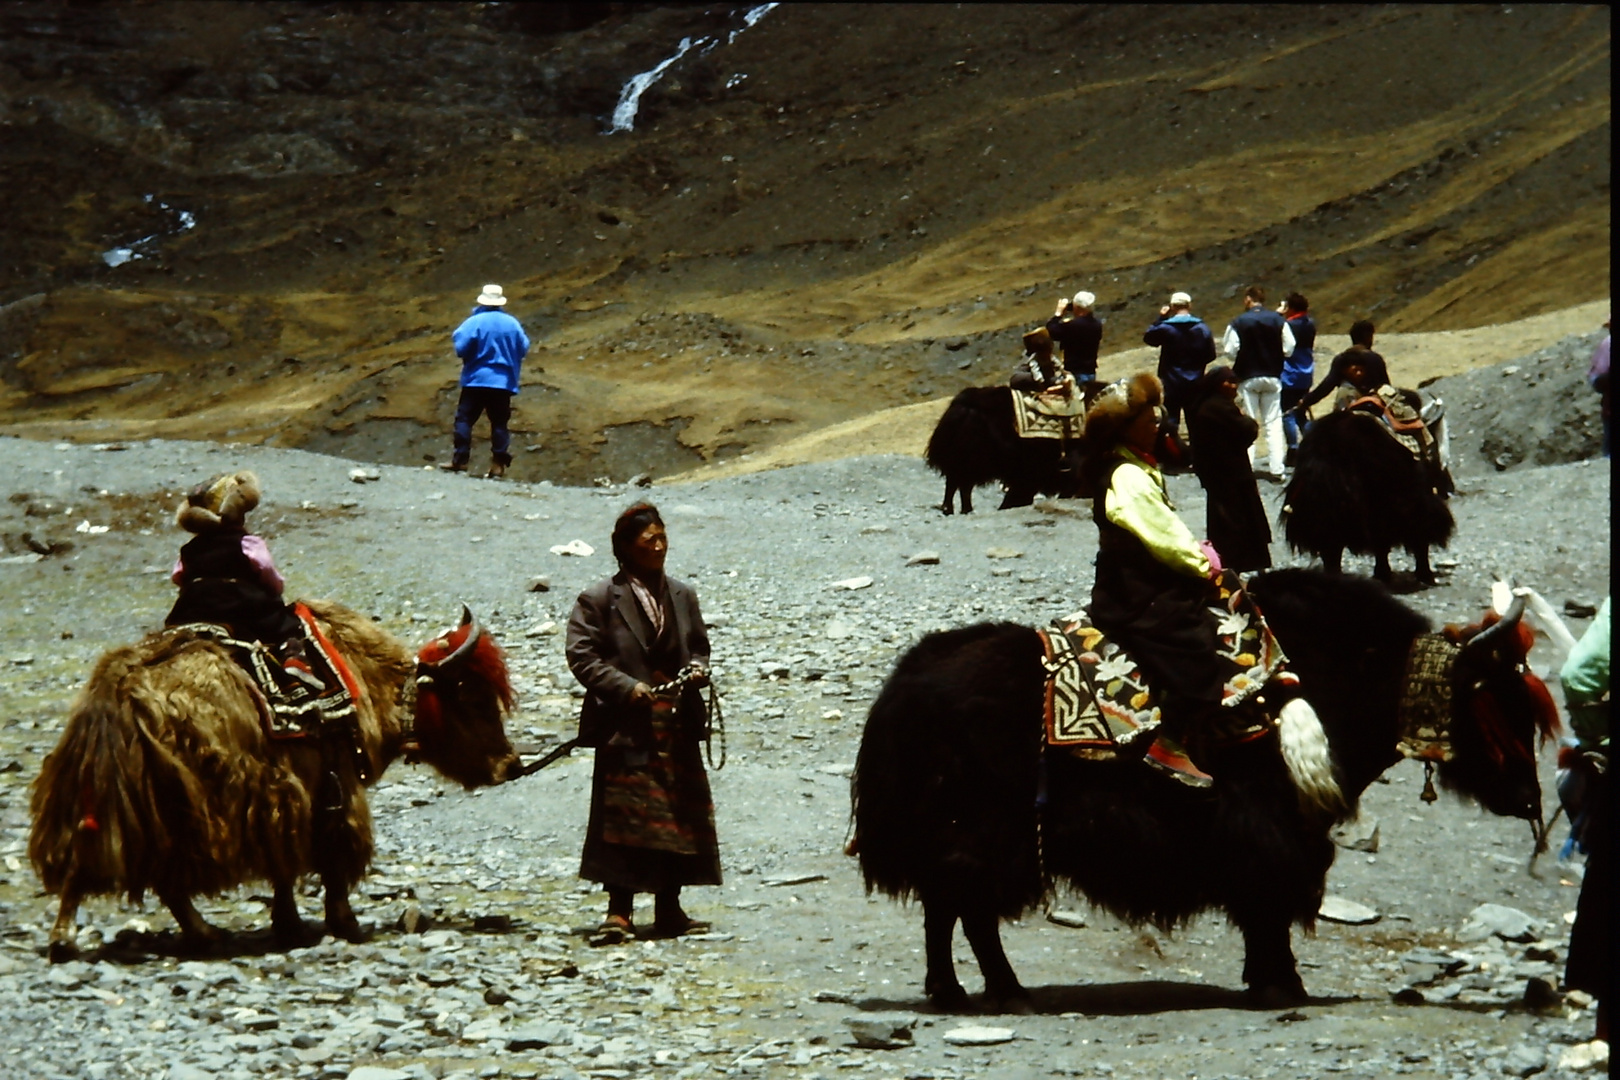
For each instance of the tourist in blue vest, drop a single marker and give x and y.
(491, 345)
(1300, 368)
(1186, 347)
(1259, 342)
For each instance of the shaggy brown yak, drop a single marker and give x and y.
(165, 780)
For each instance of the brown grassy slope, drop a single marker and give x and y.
(749, 264)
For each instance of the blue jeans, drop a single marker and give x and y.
(1291, 396)
(497, 404)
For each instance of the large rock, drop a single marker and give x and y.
(1498, 920)
(881, 1031)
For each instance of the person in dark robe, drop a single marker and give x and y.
(1235, 518)
(651, 825)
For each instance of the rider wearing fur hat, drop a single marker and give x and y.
(225, 573)
(1153, 580)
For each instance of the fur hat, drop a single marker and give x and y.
(1119, 404)
(220, 502)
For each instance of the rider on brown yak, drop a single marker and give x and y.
(184, 771)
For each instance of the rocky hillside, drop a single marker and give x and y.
(819, 211)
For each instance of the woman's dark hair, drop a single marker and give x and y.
(1297, 302)
(1207, 384)
(1362, 333)
(631, 524)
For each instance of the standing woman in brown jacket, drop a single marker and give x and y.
(652, 818)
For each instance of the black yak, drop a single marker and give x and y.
(976, 443)
(957, 803)
(1356, 488)
(166, 781)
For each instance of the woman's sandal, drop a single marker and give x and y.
(615, 930)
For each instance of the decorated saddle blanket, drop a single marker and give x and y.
(289, 706)
(1098, 700)
(1047, 416)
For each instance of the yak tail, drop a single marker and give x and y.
(110, 808)
(1305, 751)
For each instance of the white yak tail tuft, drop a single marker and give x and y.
(1305, 751)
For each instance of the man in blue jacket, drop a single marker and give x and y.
(491, 345)
(1299, 370)
(1186, 347)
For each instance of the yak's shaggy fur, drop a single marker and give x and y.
(1357, 489)
(164, 780)
(975, 443)
(956, 803)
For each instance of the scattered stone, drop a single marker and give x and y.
(836, 997)
(1498, 920)
(364, 476)
(881, 1032)
(978, 1036)
(538, 1036)
(1524, 1060)
(924, 558)
(838, 630)
(793, 879)
(1339, 910)
(774, 669)
(574, 547)
(853, 583)
(1584, 1056)
(412, 920)
(545, 629)
(1072, 919)
(542, 583)
(836, 770)
(1578, 609)
(34, 556)
(1003, 553)
(872, 529)
(375, 1072)
(1358, 834)
(1541, 992)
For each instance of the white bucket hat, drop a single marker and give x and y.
(1085, 301)
(492, 296)
(1179, 298)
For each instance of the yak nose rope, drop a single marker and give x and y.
(714, 720)
(714, 724)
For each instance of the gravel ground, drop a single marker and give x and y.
(496, 978)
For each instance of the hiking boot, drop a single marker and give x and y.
(1168, 756)
(496, 472)
(453, 466)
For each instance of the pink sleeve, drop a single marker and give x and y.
(179, 569)
(258, 553)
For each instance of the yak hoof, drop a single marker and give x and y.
(347, 929)
(1278, 995)
(947, 509)
(1015, 1002)
(60, 952)
(950, 998)
(295, 934)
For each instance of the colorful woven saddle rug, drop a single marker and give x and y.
(1040, 416)
(289, 707)
(1098, 700)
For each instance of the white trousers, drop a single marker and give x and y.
(1262, 401)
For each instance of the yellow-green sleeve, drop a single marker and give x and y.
(1137, 505)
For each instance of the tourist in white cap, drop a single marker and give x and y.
(491, 345)
(1186, 347)
(1079, 333)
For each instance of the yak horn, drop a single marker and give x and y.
(474, 631)
(1550, 622)
(1509, 619)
